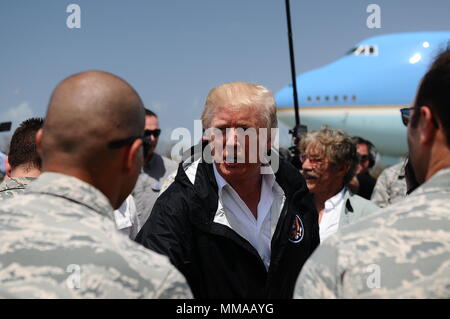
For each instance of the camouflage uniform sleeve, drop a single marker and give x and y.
(174, 286)
(380, 194)
(319, 276)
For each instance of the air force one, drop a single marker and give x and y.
(363, 91)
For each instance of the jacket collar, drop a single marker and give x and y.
(336, 199)
(194, 172)
(347, 209)
(73, 189)
(194, 163)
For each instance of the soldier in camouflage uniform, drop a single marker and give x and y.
(391, 186)
(23, 164)
(58, 239)
(402, 251)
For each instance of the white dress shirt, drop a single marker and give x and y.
(234, 213)
(331, 215)
(126, 218)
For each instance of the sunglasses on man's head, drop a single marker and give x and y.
(155, 133)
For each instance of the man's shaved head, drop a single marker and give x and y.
(86, 111)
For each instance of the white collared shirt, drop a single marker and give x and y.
(234, 213)
(126, 218)
(331, 215)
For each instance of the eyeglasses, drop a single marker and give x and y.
(406, 114)
(128, 141)
(155, 133)
(313, 160)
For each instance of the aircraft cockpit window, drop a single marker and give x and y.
(367, 50)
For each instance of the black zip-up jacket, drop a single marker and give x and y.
(216, 261)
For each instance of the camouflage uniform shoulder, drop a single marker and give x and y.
(59, 241)
(391, 186)
(14, 186)
(399, 252)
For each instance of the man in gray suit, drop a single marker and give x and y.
(155, 171)
(329, 161)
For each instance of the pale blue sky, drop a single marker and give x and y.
(174, 51)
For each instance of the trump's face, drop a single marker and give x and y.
(235, 141)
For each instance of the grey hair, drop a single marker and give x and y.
(338, 147)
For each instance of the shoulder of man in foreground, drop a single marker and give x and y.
(52, 247)
(14, 186)
(398, 252)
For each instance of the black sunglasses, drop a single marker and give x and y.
(155, 133)
(406, 114)
(127, 141)
(363, 158)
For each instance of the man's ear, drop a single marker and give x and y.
(134, 153)
(38, 140)
(8, 167)
(427, 126)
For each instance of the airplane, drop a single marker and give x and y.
(362, 92)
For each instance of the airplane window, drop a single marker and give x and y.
(354, 98)
(309, 99)
(327, 98)
(344, 97)
(351, 51)
(336, 98)
(364, 50)
(318, 98)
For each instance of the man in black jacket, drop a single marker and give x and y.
(235, 226)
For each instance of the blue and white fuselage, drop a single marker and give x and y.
(363, 91)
